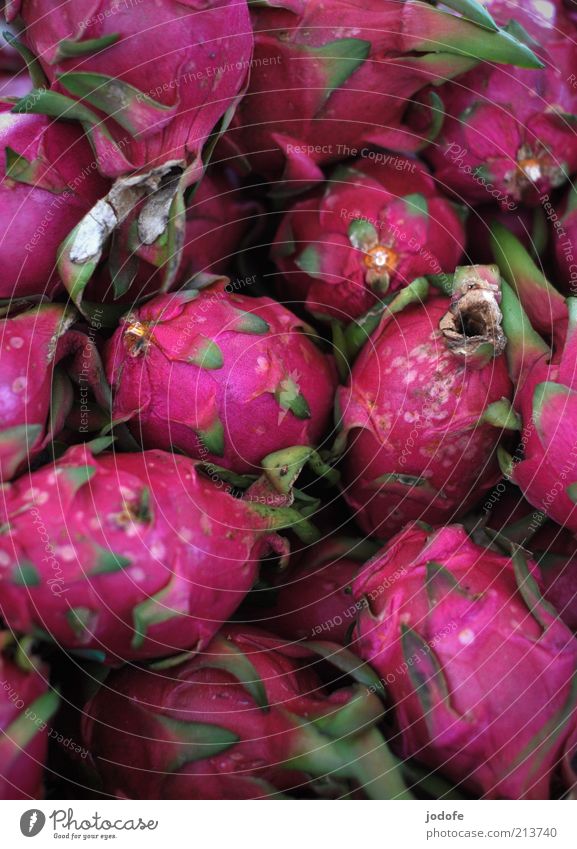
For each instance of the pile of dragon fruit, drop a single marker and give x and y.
(288, 399)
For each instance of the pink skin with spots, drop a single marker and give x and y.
(22, 770)
(329, 246)
(506, 133)
(476, 664)
(412, 409)
(129, 555)
(41, 201)
(181, 55)
(222, 377)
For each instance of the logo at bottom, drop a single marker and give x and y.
(32, 822)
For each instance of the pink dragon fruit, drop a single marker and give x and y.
(479, 667)
(372, 228)
(39, 348)
(49, 183)
(128, 556)
(564, 237)
(247, 719)
(144, 107)
(220, 376)
(218, 219)
(26, 705)
(541, 328)
(147, 110)
(426, 406)
(317, 62)
(314, 597)
(509, 133)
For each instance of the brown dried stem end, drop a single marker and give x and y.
(136, 337)
(472, 326)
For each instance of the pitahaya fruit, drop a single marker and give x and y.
(220, 376)
(542, 336)
(425, 407)
(247, 719)
(314, 599)
(316, 63)
(372, 228)
(49, 183)
(26, 705)
(147, 109)
(564, 237)
(479, 667)
(39, 349)
(508, 133)
(144, 106)
(128, 556)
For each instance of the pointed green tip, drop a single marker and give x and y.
(473, 11)
(475, 42)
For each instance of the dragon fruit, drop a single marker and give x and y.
(144, 107)
(427, 403)
(128, 556)
(26, 705)
(49, 183)
(314, 597)
(541, 327)
(247, 719)
(220, 376)
(509, 133)
(147, 110)
(372, 228)
(565, 241)
(479, 667)
(39, 349)
(316, 63)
